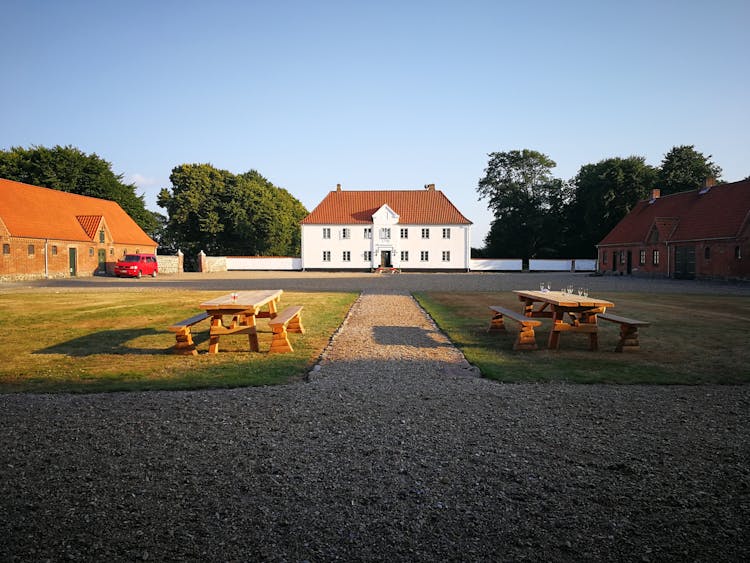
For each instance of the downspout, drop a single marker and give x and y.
(669, 260)
(46, 259)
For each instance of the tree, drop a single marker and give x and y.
(527, 202)
(604, 193)
(683, 169)
(69, 169)
(221, 213)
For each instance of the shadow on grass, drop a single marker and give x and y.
(112, 342)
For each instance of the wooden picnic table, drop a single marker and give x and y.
(580, 311)
(243, 307)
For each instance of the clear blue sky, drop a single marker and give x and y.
(375, 95)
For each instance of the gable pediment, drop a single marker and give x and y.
(385, 216)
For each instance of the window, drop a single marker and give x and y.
(622, 257)
(112, 251)
(326, 232)
(91, 251)
(368, 232)
(385, 233)
(368, 255)
(404, 233)
(446, 255)
(707, 253)
(737, 253)
(404, 255)
(345, 232)
(31, 250)
(101, 236)
(326, 256)
(424, 256)
(346, 256)
(655, 257)
(425, 233)
(604, 257)
(642, 258)
(6, 248)
(446, 233)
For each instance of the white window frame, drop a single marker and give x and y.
(425, 233)
(424, 255)
(346, 233)
(385, 233)
(446, 255)
(446, 233)
(368, 232)
(404, 232)
(368, 255)
(326, 232)
(404, 255)
(326, 256)
(346, 256)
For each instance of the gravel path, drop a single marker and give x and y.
(393, 451)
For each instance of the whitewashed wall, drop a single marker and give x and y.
(263, 263)
(496, 264)
(564, 265)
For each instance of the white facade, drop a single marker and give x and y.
(386, 243)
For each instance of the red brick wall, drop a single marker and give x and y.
(20, 264)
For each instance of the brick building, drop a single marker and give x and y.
(697, 234)
(49, 233)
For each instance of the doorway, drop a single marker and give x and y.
(684, 262)
(385, 259)
(102, 268)
(72, 261)
(630, 262)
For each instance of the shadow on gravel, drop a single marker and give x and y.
(106, 342)
(405, 336)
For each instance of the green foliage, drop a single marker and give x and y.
(604, 193)
(68, 169)
(221, 213)
(528, 204)
(684, 169)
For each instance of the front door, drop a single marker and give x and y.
(630, 262)
(684, 262)
(72, 259)
(102, 269)
(385, 259)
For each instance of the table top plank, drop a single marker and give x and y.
(242, 300)
(560, 299)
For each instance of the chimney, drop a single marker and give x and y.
(430, 187)
(338, 187)
(655, 193)
(709, 183)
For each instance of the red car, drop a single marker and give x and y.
(137, 265)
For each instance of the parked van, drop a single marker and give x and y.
(137, 265)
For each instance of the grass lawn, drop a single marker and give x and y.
(115, 340)
(692, 339)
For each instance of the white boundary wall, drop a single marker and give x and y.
(565, 265)
(496, 264)
(263, 263)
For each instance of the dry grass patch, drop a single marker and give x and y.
(118, 340)
(692, 339)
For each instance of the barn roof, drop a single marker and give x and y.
(721, 211)
(414, 207)
(34, 212)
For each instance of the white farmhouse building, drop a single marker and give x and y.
(406, 229)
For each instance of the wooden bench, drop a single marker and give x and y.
(289, 320)
(628, 331)
(526, 339)
(184, 336)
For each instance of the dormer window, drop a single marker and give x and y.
(101, 236)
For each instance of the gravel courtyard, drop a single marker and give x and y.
(394, 450)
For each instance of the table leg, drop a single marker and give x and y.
(554, 335)
(252, 334)
(213, 342)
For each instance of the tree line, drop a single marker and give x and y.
(208, 209)
(538, 215)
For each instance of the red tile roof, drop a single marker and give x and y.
(34, 212)
(414, 207)
(721, 212)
